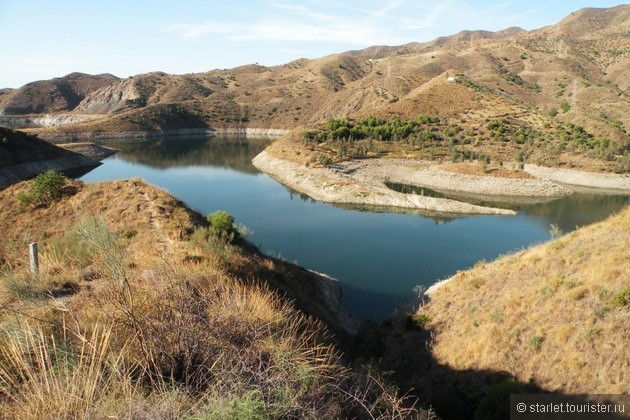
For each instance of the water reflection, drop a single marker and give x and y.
(228, 152)
(379, 256)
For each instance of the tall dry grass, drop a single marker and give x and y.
(182, 339)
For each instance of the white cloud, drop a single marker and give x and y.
(297, 22)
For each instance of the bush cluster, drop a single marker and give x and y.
(576, 133)
(222, 225)
(371, 127)
(46, 188)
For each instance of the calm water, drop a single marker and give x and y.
(378, 257)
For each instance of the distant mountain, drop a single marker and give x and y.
(577, 67)
(49, 96)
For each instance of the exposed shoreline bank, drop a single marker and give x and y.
(12, 174)
(335, 187)
(139, 136)
(362, 182)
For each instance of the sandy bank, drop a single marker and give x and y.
(426, 174)
(341, 187)
(138, 136)
(611, 182)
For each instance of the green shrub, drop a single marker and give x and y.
(553, 112)
(564, 106)
(417, 321)
(128, 234)
(601, 312)
(97, 240)
(222, 224)
(622, 298)
(24, 198)
(47, 187)
(536, 341)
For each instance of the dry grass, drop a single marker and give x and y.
(195, 331)
(547, 314)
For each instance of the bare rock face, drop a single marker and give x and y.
(112, 98)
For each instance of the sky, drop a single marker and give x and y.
(41, 39)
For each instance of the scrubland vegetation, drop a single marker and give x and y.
(497, 141)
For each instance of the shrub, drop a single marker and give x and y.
(24, 198)
(536, 341)
(417, 321)
(22, 286)
(564, 106)
(128, 234)
(622, 298)
(222, 224)
(553, 112)
(46, 187)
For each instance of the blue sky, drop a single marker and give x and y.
(40, 39)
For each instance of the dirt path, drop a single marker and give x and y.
(154, 218)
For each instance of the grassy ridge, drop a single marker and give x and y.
(136, 314)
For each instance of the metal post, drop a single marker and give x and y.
(32, 248)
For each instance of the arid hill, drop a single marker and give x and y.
(141, 308)
(24, 155)
(579, 61)
(49, 96)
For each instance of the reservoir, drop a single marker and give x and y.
(378, 257)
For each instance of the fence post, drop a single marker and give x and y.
(32, 248)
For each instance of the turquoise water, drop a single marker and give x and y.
(378, 257)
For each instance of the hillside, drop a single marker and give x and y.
(50, 96)
(23, 155)
(542, 80)
(553, 317)
(143, 310)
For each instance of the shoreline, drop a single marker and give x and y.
(149, 135)
(362, 182)
(10, 175)
(325, 185)
(428, 175)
